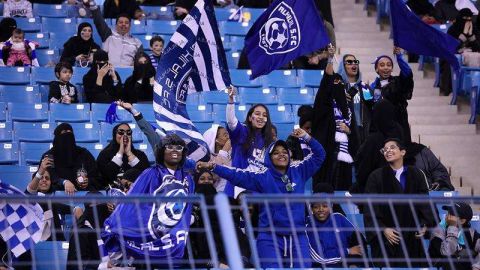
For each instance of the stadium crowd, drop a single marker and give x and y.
(355, 137)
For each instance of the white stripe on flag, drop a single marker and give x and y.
(212, 46)
(201, 68)
(174, 117)
(171, 126)
(179, 39)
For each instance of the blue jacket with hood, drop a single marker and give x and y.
(268, 180)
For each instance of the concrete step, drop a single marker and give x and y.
(444, 120)
(433, 110)
(361, 43)
(434, 100)
(445, 140)
(358, 28)
(346, 36)
(454, 129)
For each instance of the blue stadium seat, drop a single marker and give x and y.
(43, 75)
(284, 130)
(93, 148)
(297, 96)
(147, 111)
(147, 149)
(162, 27)
(255, 13)
(265, 96)
(214, 97)
(77, 76)
(236, 43)
(310, 78)
(27, 112)
(86, 132)
(70, 112)
(203, 126)
(29, 24)
(15, 75)
(9, 153)
(234, 28)
(445, 194)
(281, 78)
(30, 153)
(58, 39)
(6, 132)
(43, 39)
(199, 115)
(222, 14)
(137, 27)
(232, 59)
(241, 77)
(19, 94)
(67, 26)
(281, 114)
(48, 10)
(50, 255)
(48, 57)
(18, 176)
(106, 133)
(99, 110)
(158, 12)
(124, 72)
(219, 114)
(42, 132)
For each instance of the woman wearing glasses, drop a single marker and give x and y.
(120, 155)
(334, 126)
(278, 242)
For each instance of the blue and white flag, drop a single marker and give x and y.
(194, 60)
(21, 224)
(287, 30)
(237, 15)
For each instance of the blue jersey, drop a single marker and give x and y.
(159, 229)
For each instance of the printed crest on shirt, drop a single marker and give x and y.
(281, 32)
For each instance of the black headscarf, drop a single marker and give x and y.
(64, 147)
(7, 25)
(457, 27)
(113, 146)
(91, 76)
(143, 71)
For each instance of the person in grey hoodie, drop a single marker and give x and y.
(120, 45)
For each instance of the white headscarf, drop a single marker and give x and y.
(210, 137)
(461, 4)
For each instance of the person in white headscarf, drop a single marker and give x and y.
(220, 148)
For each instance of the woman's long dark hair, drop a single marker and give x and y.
(266, 130)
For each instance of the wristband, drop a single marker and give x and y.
(63, 183)
(307, 137)
(133, 111)
(38, 175)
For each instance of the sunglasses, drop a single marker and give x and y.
(122, 132)
(171, 147)
(352, 62)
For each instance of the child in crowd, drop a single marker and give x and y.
(17, 51)
(156, 44)
(454, 244)
(333, 238)
(17, 8)
(62, 91)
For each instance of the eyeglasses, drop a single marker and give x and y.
(172, 147)
(352, 62)
(385, 149)
(288, 184)
(122, 132)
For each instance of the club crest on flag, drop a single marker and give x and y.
(281, 32)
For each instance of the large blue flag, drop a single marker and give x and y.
(193, 60)
(413, 35)
(286, 30)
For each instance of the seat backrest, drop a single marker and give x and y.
(20, 94)
(43, 39)
(49, 10)
(162, 27)
(50, 255)
(70, 112)
(48, 57)
(43, 75)
(241, 77)
(31, 153)
(29, 24)
(56, 25)
(24, 112)
(6, 132)
(18, 176)
(9, 153)
(15, 75)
